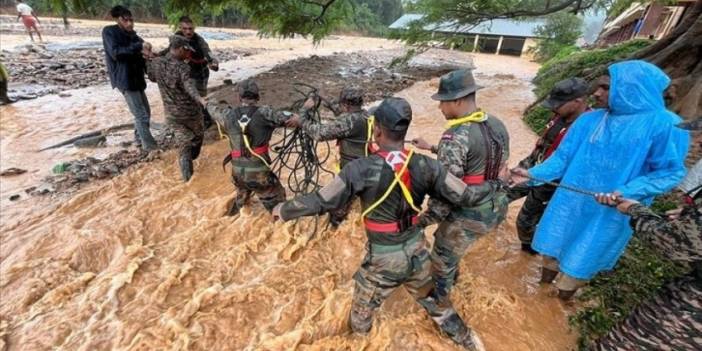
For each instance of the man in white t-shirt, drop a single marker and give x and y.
(29, 18)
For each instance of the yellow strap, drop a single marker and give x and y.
(221, 134)
(475, 117)
(371, 122)
(248, 146)
(405, 192)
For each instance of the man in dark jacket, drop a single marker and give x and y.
(126, 68)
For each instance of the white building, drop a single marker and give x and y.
(503, 37)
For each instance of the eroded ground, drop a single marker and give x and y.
(143, 261)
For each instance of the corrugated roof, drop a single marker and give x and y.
(494, 27)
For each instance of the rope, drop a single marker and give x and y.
(297, 152)
(565, 187)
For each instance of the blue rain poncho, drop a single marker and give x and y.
(634, 148)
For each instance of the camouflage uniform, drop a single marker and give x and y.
(199, 62)
(474, 148)
(397, 256)
(249, 173)
(350, 129)
(180, 102)
(671, 320)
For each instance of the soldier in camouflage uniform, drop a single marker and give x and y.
(567, 100)
(249, 128)
(671, 320)
(391, 184)
(181, 101)
(200, 59)
(474, 148)
(349, 129)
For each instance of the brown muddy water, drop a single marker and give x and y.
(143, 261)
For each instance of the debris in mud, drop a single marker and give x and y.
(72, 173)
(14, 197)
(42, 69)
(12, 172)
(329, 74)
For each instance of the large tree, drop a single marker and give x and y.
(678, 53)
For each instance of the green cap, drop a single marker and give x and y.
(565, 91)
(179, 41)
(352, 95)
(248, 89)
(394, 114)
(455, 85)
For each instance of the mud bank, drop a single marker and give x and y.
(42, 69)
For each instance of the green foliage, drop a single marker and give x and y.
(610, 297)
(586, 63)
(537, 118)
(560, 31)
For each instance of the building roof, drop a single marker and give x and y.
(494, 27)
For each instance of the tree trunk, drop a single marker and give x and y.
(678, 54)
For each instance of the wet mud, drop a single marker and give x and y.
(142, 261)
(329, 74)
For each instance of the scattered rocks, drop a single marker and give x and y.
(14, 197)
(12, 172)
(38, 70)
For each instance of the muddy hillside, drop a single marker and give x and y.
(141, 261)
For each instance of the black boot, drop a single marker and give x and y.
(186, 167)
(566, 295)
(233, 208)
(457, 330)
(527, 248)
(548, 275)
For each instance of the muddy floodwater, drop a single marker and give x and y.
(143, 261)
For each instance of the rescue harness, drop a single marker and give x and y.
(399, 162)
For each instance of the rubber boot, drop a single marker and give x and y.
(457, 330)
(566, 295)
(186, 167)
(548, 275)
(527, 249)
(236, 203)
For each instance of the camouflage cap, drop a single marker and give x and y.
(394, 113)
(565, 91)
(692, 125)
(179, 41)
(248, 89)
(455, 85)
(351, 95)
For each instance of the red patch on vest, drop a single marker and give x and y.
(447, 136)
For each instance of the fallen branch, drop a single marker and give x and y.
(91, 135)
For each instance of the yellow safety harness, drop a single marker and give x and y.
(475, 117)
(397, 181)
(243, 122)
(369, 136)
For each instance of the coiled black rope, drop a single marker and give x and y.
(298, 153)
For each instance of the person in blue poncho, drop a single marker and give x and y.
(631, 150)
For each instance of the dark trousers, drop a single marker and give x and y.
(537, 199)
